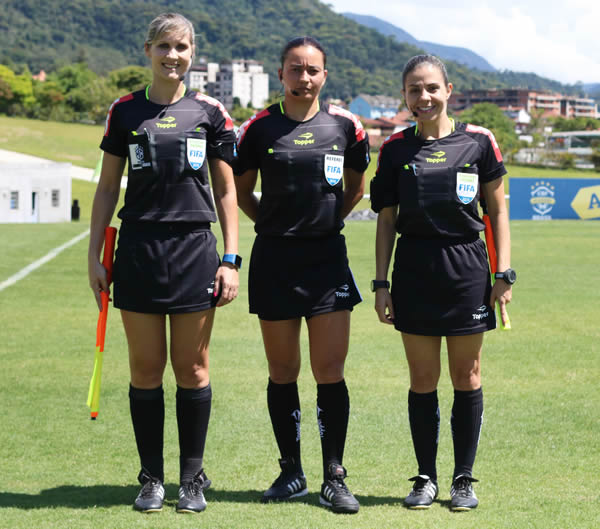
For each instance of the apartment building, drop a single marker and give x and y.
(241, 78)
(552, 104)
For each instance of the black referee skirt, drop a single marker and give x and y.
(165, 268)
(292, 277)
(441, 287)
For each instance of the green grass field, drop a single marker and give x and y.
(539, 450)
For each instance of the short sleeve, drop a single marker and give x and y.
(115, 135)
(357, 155)
(491, 165)
(384, 188)
(247, 154)
(221, 138)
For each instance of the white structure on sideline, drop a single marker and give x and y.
(35, 192)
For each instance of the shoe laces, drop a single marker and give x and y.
(419, 486)
(195, 486)
(462, 486)
(337, 479)
(150, 488)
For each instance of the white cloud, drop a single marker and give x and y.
(547, 37)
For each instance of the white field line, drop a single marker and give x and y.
(36, 264)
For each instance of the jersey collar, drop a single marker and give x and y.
(283, 111)
(147, 92)
(451, 124)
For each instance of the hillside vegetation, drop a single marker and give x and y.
(109, 34)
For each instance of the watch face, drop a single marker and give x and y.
(509, 276)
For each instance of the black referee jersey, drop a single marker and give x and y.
(301, 167)
(436, 183)
(167, 147)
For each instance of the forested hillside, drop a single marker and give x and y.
(109, 34)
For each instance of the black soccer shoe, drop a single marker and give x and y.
(335, 494)
(191, 494)
(152, 494)
(424, 491)
(291, 483)
(462, 494)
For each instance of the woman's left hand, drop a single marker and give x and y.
(226, 283)
(502, 293)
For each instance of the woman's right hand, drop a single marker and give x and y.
(384, 306)
(98, 281)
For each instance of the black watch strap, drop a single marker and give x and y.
(508, 276)
(377, 283)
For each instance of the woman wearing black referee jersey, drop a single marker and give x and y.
(166, 261)
(427, 187)
(311, 158)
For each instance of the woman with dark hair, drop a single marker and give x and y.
(427, 188)
(311, 158)
(166, 261)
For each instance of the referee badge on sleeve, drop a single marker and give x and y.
(466, 186)
(196, 151)
(334, 168)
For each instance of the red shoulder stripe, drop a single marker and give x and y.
(337, 111)
(128, 97)
(244, 128)
(216, 103)
(490, 135)
(397, 136)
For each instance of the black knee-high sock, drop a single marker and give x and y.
(147, 408)
(424, 418)
(467, 418)
(283, 402)
(193, 414)
(333, 410)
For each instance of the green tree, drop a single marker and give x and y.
(241, 114)
(72, 77)
(130, 78)
(16, 92)
(48, 97)
(91, 102)
(491, 117)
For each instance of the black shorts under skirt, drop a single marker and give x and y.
(441, 287)
(293, 278)
(165, 268)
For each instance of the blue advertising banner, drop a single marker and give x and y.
(554, 198)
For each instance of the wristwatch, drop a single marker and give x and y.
(233, 258)
(508, 276)
(376, 283)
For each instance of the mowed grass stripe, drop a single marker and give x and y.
(24, 272)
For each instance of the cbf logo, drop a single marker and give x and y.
(196, 151)
(136, 156)
(334, 168)
(542, 199)
(466, 186)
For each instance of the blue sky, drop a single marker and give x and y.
(552, 38)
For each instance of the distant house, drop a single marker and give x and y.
(374, 107)
(379, 129)
(35, 192)
(40, 76)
